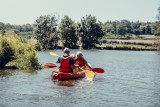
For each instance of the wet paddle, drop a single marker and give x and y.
(98, 70)
(49, 65)
(89, 74)
(54, 54)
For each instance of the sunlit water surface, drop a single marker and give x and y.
(131, 79)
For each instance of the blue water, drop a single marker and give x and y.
(131, 79)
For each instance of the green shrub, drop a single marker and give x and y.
(35, 43)
(24, 54)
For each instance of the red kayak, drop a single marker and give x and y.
(67, 76)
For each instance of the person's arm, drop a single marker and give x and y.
(71, 62)
(59, 60)
(86, 64)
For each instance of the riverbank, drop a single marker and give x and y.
(120, 47)
(141, 42)
(124, 47)
(137, 43)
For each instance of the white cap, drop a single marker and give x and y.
(66, 50)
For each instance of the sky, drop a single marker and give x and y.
(27, 11)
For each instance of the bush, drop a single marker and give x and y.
(24, 54)
(35, 44)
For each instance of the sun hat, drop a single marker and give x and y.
(66, 50)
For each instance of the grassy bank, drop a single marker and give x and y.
(125, 47)
(23, 55)
(141, 42)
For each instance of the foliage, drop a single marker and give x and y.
(35, 44)
(2, 30)
(68, 32)
(124, 27)
(45, 31)
(20, 28)
(27, 35)
(90, 32)
(24, 54)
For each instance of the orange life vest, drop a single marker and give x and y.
(80, 61)
(64, 66)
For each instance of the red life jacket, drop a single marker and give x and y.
(64, 66)
(80, 61)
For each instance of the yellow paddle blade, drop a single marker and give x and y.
(54, 54)
(89, 74)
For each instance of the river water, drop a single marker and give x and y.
(131, 79)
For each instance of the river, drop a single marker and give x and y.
(131, 79)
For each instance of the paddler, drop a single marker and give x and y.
(76, 63)
(82, 62)
(66, 62)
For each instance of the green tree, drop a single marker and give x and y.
(2, 30)
(148, 29)
(136, 27)
(90, 32)
(114, 28)
(67, 29)
(45, 31)
(124, 27)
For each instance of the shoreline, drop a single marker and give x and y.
(116, 48)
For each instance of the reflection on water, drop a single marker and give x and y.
(71, 83)
(68, 83)
(7, 72)
(131, 79)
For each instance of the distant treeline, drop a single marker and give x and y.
(122, 27)
(20, 28)
(85, 34)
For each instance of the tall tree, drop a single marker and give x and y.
(45, 31)
(148, 29)
(91, 32)
(114, 28)
(68, 32)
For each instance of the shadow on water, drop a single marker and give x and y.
(68, 83)
(9, 71)
(6, 72)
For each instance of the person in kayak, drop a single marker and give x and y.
(67, 69)
(76, 63)
(73, 56)
(82, 62)
(66, 62)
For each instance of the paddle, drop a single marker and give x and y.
(49, 65)
(89, 74)
(54, 54)
(98, 70)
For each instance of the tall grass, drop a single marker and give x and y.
(25, 57)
